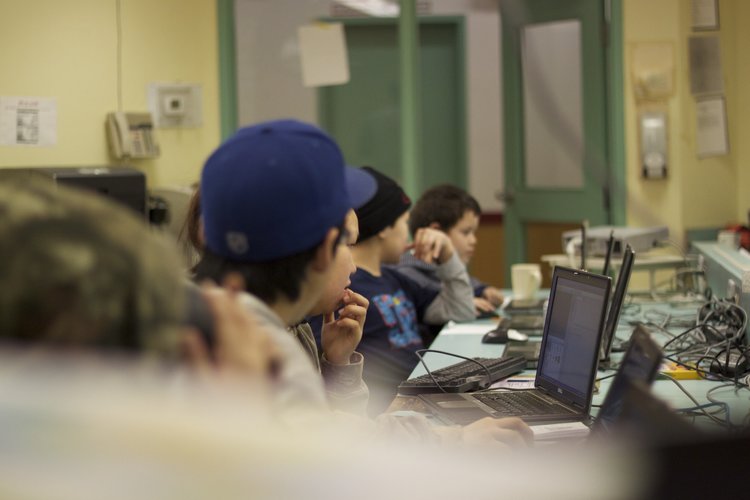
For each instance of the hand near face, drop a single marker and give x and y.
(340, 336)
(493, 295)
(432, 246)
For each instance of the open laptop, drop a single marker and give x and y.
(567, 366)
(530, 350)
(618, 297)
(639, 366)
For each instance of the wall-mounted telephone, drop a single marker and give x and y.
(131, 135)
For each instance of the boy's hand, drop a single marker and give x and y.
(340, 337)
(432, 246)
(483, 306)
(508, 432)
(493, 295)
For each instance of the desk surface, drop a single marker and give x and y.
(465, 339)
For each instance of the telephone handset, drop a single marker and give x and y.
(132, 135)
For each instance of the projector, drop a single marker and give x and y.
(639, 239)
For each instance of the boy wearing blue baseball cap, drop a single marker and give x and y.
(276, 204)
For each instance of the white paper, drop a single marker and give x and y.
(705, 14)
(517, 383)
(467, 328)
(711, 127)
(323, 54)
(28, 121)
(559, 431)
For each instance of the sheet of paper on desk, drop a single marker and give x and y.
(517, 382)
(466, 328)
(559, 431)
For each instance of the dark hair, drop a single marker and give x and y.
(266, 280)
(191, 227)
(444, 204)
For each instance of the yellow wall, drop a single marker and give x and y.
(697, 193)
(67, 50)
(741, 142)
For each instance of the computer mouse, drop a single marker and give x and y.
(502, 335)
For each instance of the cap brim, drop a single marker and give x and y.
(360, 185)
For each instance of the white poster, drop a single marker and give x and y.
(28, 121)
(323, 54)
(711, 129)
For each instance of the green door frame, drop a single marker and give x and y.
(410, 141)
(616, 111)
(227, 68)
(615, 195)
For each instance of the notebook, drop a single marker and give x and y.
(618, 297)
(530, 350)
(639, 366)
(567, 365)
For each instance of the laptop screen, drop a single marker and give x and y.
(572, 333)
(639, 365)
(613, 316)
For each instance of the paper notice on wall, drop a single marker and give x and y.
(711, 127)
(705, 14)
(28, 121)
(323, 54)
(705, 65)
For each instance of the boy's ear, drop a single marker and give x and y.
(435, 225)
(234, 282)
(325, 252)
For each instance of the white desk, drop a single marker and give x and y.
(466, 339)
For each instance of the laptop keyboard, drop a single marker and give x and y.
(465, 376)
(520, 403)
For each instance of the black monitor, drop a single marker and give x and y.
(122, 184)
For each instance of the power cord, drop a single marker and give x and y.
(419, 353)
(698, 406)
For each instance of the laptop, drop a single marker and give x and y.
(639, 366)
(530, 350)
(618, 297)
(567, 366)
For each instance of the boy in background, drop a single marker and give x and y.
(456, 213)
(398, 304)
(274, 204)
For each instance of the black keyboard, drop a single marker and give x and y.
(465, 376)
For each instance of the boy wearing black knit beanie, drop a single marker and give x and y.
(399, 305)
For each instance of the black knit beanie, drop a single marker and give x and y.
(388, 204)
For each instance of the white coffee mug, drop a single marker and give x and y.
(525, 280)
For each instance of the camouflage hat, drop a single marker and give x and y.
(78, 270)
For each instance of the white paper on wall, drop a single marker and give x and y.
(28, 121)
(323, 54)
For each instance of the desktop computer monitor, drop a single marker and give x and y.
(122, 184)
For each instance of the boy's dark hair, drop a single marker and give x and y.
(265, 280)
(444, 204)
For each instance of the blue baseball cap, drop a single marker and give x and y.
(275, 189)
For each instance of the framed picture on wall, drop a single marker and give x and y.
(705, 15)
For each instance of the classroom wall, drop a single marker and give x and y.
(698, 193)
(67, 50)
(741, 131)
